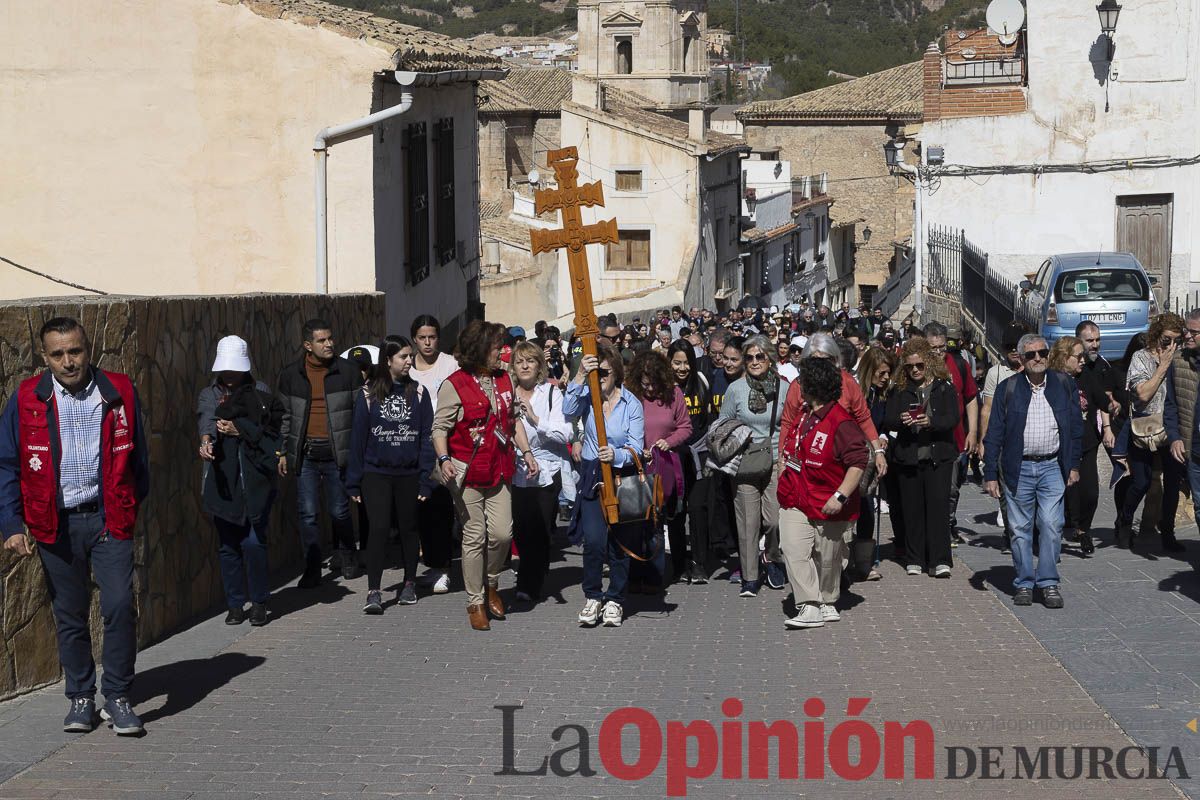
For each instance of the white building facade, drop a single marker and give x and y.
(1099, 159)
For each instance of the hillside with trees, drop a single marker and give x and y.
(803, 40)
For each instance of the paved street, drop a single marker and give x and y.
(325, 702)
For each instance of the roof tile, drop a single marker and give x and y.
(411, 48)
(895, 93)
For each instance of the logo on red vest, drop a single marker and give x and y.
(35, 462)
(818, 442)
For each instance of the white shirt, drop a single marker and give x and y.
(1041, 428)
(547, 441)
(789, 372)
(432, 378)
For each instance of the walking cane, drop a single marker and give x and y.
(878, 520)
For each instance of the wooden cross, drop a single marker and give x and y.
(575, 236)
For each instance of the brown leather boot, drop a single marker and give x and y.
(494, 603)
(478, 617)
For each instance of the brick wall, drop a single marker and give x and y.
(949, 102)
(858, 183)
(167, 345)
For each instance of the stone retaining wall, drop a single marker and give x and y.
(167, 344)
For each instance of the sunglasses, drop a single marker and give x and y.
(1029, 355)
(1167, 341)
(1190, 334)
(754, 357)
(919, 365)
(602, 372)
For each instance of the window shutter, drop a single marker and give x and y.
(417, 205)
(445, 184)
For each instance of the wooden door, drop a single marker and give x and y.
(1144, 229)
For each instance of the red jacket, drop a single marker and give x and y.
(825, 447)
(36, 450)
(494, 462)
(852, 400)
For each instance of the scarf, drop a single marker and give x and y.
(762, 390)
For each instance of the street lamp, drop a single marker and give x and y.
(893, 153)
(1109, 11)
(866, 234)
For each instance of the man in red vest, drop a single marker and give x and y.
(72, 473)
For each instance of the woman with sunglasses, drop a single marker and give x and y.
(923, 413)
(756, 400)
(1146, 382)
(624, 425)
(1066, 356)
(876, 371)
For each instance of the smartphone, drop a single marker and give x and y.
(915, 409)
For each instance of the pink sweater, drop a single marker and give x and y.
(670, 422)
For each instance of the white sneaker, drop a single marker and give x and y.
(829, 613)
(941, 571)
(591, 613)
(442, 584)
(613, 614)
(808, 617)
(913, 569)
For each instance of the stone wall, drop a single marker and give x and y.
(861, 189)
(167, 344)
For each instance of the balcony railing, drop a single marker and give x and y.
(985, 73)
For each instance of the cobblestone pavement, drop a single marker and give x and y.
(1129, 627)
(325, 702)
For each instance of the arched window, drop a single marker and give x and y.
(624, 57)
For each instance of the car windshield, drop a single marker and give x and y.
(1100, 284)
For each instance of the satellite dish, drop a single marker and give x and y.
(534, 176)
(1006, 17)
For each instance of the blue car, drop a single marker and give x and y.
(1110, 289)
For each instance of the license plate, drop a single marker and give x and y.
(1106, 319)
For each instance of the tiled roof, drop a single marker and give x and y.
(714, 144)
(895, 93)
(543, 90)
(505, 229)
(757, 235)
(410, 49)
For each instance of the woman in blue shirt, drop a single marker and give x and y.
(624, 425)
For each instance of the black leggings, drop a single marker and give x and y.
(1083, 496)
(383, 495)
(535, 509)
(436, 520)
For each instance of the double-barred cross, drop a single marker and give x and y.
(568, 198)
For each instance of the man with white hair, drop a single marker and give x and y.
(1035, 439)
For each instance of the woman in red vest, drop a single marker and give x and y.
(824, 454)
(473, 435)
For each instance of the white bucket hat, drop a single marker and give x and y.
(233, 355)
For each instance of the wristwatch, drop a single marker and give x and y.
(841, 498)
(443, 459)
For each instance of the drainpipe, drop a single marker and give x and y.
(321, 145)
(320, 150)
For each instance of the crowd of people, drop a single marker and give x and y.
(757, 446)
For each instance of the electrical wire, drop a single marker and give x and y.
(51, 277)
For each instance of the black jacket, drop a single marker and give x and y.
(934, 443)
(239, 483)
(342, 384)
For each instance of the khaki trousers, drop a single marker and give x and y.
(756, 509)
(487, 526)
(814, 551)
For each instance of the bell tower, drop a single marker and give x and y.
(653, 48)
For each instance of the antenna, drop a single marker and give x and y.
(1006, 17)
(1099, 250)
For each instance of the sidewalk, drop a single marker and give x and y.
(325, 702)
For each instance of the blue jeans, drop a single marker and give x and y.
(1040, 491)
(83, 539)
(313, 476)
(243, 553)
(1193, 475)
(598, 547)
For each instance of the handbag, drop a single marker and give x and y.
(758, 462)
(639, 493)
(1149, 432)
